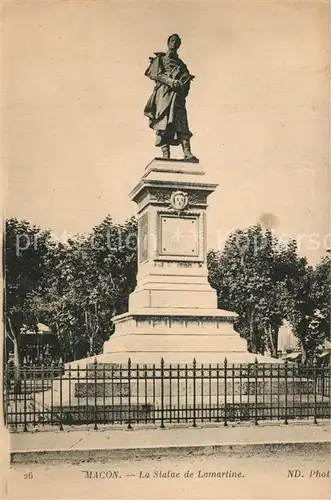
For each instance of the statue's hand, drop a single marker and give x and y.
(176, 84)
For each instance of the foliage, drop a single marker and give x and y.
(308, 303)
(247, 282)
(265, 282)
(28, 255)
(27, 258)
(321, 291)
(93, 276)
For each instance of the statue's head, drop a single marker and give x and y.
(174, 42)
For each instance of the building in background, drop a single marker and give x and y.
(287, 341)
(40, 346)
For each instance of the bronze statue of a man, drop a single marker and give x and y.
(166, 107)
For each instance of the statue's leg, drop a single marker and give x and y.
(186, 145)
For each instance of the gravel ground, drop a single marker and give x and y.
(255, 477)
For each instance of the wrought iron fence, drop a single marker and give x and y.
(134, 394)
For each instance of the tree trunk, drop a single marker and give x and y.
(303, 345)
(304, 352)
(275, 336)
(17, 367)
(273, 340)
(267, 342)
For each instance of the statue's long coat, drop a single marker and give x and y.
(166, 107)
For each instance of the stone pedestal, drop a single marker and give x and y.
(173, 310)
(172, 202)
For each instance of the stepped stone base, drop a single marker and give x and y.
(111, 385)
(233, 410)
(177, 336)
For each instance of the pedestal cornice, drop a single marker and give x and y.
(207, 314)
(145, 183)
(172, 174)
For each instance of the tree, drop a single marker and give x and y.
(321, 289)
(265, 282)
(308, 303)
(93, 277)
(245, 277)
(28, 255)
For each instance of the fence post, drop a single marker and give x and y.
(25, 389)
(129, 394)
(61, 373)
(256, 367)
(162, 393)
(248, 391)
(301, 385)
(52, 371)
(70, 419)
(194, 391)
(137, 379)
(121, 392)
(113, 413)
(146, 388)
(178, 393)
(88, 393)
(95, 366)
(242, 411)
(315, 389)
(78, 389)
(285, 373)
(209, 391)
(104, 392)
(154, 397)
(42, 373)
(202, 383)
(225, 391)
(217, 392)
(186, 393)
(33, 388)
(170, 393)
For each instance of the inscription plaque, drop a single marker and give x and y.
(179, 236)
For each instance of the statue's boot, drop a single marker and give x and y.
(188, 156)
(158, 139)
(165, 151)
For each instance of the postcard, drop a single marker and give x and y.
(167, 250)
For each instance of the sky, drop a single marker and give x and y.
(76, 140)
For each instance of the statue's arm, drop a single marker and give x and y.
(155, 72)
(162, 78)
